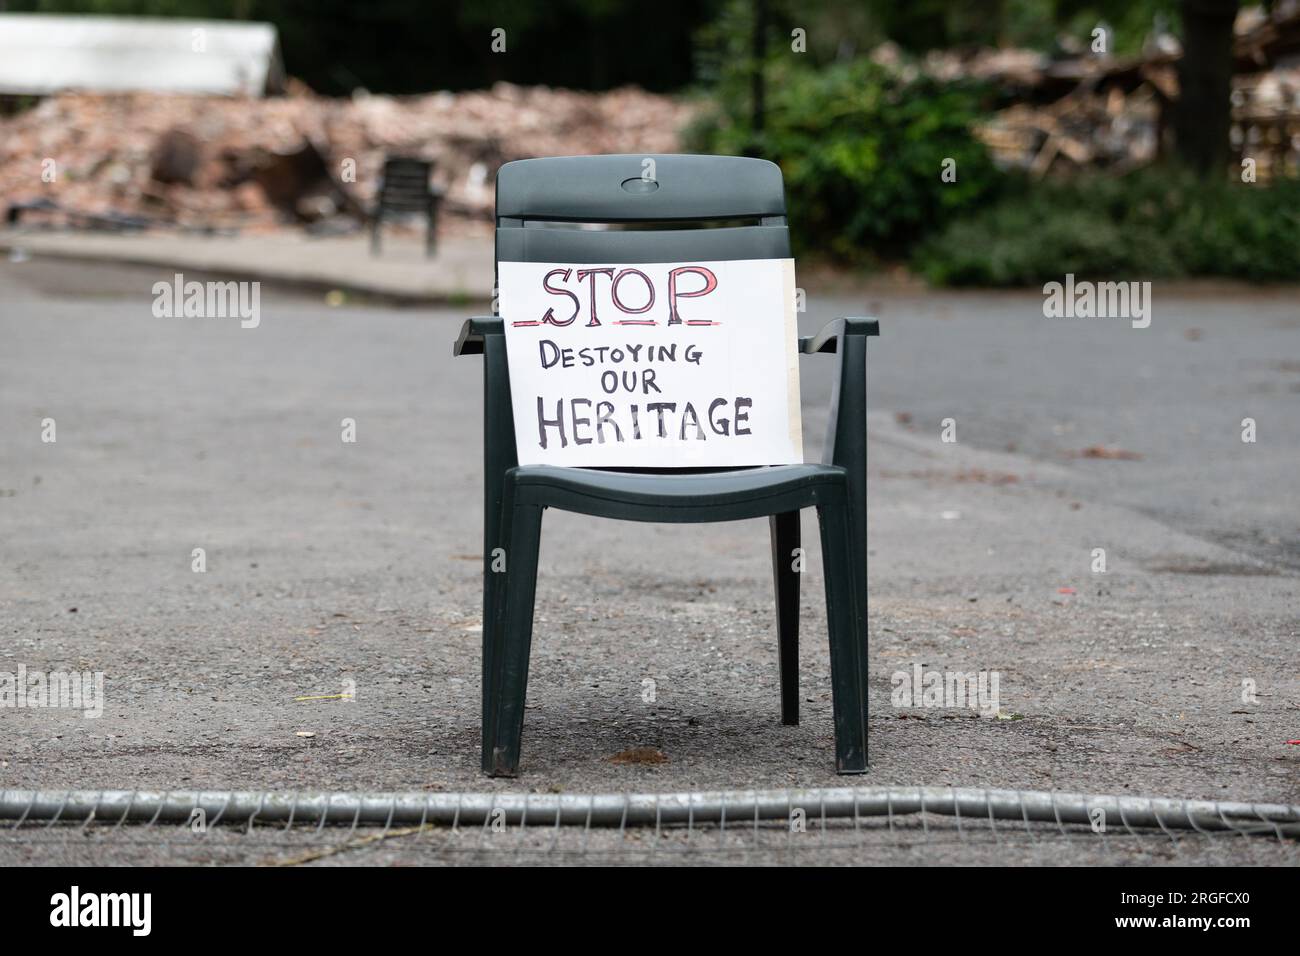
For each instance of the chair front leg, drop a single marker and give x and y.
(512, 637)
(848, 638)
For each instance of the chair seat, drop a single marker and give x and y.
(701, 496)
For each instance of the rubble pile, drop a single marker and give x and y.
(1107, 125)
(1085, 110)
(1266, 121)
(256, 164)
(1118, 125)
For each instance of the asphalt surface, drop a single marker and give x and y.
(330, 562)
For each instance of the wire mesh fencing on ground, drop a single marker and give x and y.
(836, 826)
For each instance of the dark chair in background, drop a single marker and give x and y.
(406, 190)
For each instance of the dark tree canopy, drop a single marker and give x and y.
(414, 46)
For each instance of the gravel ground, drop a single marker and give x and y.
(330, 563)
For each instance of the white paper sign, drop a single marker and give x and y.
(664, 365)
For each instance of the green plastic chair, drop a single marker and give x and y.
(533, 196)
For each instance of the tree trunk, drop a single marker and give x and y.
(757, 81)
(1203, 114)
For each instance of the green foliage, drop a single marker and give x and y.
(1158, 223)
(920, 25)
(861, 149)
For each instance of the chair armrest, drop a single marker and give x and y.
(470, 339)
(846, 437)
(828, 338)
(812, 344)
(846, 431)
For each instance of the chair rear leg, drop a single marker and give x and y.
(374, 235)
(785, 542)
(494, 574)
(848, 639)
(513, 638)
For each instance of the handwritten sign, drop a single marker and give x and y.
(665, 365)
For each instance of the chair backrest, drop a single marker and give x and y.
(742, 199)
(640, 208)
(406, 183)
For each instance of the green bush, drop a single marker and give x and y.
(1157, 223)
(861, 150)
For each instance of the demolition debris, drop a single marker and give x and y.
(220, 163)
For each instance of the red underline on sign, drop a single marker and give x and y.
(701, 322)
(525, 322)
(635, 322)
